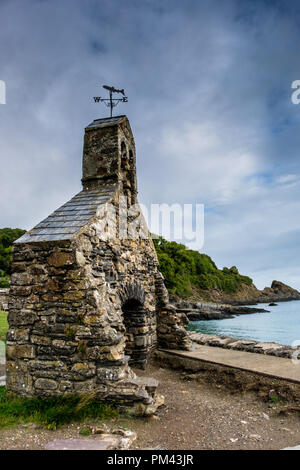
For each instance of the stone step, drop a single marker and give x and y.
(150, 383)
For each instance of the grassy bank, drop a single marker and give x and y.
(50, 412)
(3, 325)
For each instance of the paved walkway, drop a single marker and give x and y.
(270, 366)
(2, 374)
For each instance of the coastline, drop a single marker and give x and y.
(214, 304)
(245, 295)
(280, 325)
(205, 311)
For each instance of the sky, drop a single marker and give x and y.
(209, 102)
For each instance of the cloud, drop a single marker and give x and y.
(209, 87)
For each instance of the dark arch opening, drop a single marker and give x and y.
(123, 156)
(131, 156)
(125, 171)
(140, 332)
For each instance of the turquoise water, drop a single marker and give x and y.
(281, 325)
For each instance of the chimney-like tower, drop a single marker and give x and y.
(109, 156)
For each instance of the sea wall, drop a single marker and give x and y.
(272, 349)
(233, 379)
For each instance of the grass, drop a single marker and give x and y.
(3, 325)
(85, 432)
(274, 399)
(50, 413)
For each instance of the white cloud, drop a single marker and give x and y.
(213, 169)
(209, 104)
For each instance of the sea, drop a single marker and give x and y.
(280, 325)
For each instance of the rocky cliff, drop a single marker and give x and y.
(249, 294)
(215, 304)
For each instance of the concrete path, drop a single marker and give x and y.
(270, 366)
(292, 448)
(2, 375)
(80, 444)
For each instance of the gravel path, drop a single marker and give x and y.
(197, 416)
(203, 416)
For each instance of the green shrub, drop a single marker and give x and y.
(3, 325)
(274, 399)
(184, 269)
(85, 432)
(7, 237)
(50, 412)
(4, 279)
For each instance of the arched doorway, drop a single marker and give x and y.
(140, 333)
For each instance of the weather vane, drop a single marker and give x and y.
(112, 102)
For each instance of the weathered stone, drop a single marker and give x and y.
(4, 299)
(272, 349)
(44, 340)
(46, 384)
(80, 258)
(51, 297)
(66, 386)
(74, 295)
(83, 370)
(81, 305)
(46, 365)
(105, 374)
(115, 355)
(21, 279)
(91, 320)
(52, 285)
(84, 387)
(18, 335)
(25, 351)
(59, 259)
(20, 291)
(37, 269)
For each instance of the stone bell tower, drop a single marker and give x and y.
(109, 156)
(84, 308)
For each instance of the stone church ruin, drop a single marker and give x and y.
(85, 302)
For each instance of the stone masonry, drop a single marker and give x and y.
(4, 299)
(85, 302)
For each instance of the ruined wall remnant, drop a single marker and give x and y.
(86, 301)
(4, 299)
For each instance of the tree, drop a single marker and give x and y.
(185, 269)
(7, 237)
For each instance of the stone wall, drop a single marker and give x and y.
(82, 310)
(233, 379)
(4, 299)
(249, 345)
(69, 331)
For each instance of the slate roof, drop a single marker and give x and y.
(69, 219)
(106, 122)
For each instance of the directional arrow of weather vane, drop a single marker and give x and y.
(111, 102)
